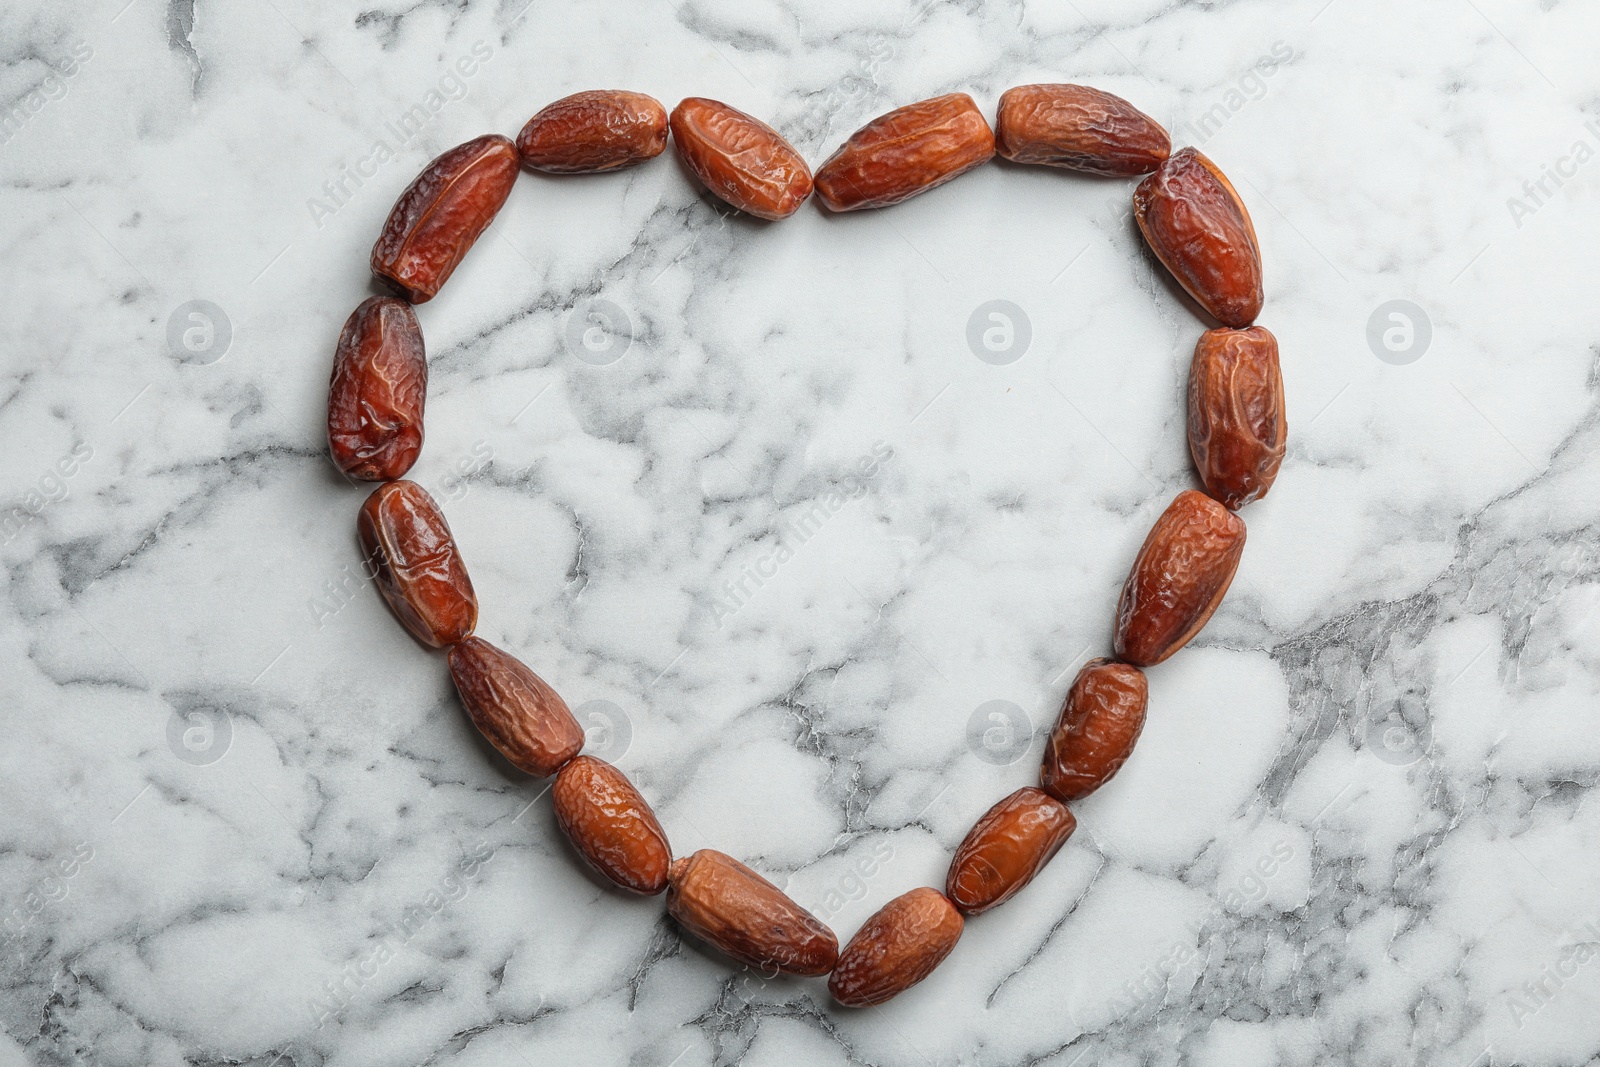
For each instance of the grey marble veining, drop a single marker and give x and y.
(812, 551)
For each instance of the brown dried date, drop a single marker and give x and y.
(895, 949)
(1078, 128)
(1195, 223)
(375, 400)
(415, 563)
(514, 708)
(595, 131)
(1006, 848)
(1181, 574)
(908, 151)
(1237, 428)
(1099, 723)
(441, 213)
(611, 826)
(725, 903)
(741, 159)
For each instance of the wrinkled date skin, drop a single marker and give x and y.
(593, 132)
(441, 213)
(1078, 128)
(1006, 848)
(380, 382)
(725, 903)
(514, 708)
(1099, 723)
(741, 159)
(908, 151)
(896, 948)
(1237, 428)
(415, 564)
(1195, 223)
(611, 826)
(1180, 576)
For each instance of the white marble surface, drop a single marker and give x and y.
(244, 819)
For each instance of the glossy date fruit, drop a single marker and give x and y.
(731, 907)
(1099, 723)
(514, 708)
(1006, 848)
(908, 151)
(1237, 429)
(439, 216)
(1180, 576)
(611, 826)
(895, 949)
(1195, 223)
(740, 159)
(375, 400)
(415, 564)
(1078, 128)
(593, 132)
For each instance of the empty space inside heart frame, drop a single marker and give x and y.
(1194, 223)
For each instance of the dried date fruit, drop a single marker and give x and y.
(725, 903)
(908, 151)
(415, 564)
(1099, 723)
(1078, 128)
(441, 213)
(375, 400)
(1237, 429)
(1195, 223)
(895, 949)
(741, 159)
(611, 826)
(593, 132)
(1180, 576)
(1006, 848)
(514, 708)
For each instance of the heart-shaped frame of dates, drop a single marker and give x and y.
(1195, 223)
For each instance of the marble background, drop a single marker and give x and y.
(245, 821)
